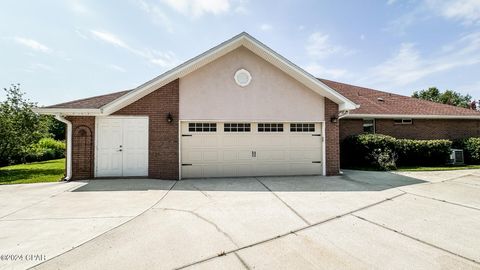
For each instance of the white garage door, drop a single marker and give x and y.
(122, 146)
(250, 149)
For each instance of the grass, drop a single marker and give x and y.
(36, 172)
(440, 168)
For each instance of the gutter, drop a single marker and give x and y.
(69, 146)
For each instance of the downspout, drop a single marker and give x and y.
(69, 145)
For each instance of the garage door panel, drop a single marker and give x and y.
(230, 154)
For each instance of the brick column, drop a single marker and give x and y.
(332, 142)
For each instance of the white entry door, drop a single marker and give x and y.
(250, 149)
(122, 146)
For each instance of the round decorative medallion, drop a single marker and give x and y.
(243, 77)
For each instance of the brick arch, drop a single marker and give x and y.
(82, 151)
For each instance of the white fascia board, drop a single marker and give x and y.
(243, 39)
(67, 111)
(412, 116)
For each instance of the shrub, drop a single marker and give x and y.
(423, 152)
(45, 149)
(386, 153)
(365, 149)
(471, 149)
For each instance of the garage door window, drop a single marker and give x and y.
(202, 127)
(270, 127)
(302, 127)
(236, 127)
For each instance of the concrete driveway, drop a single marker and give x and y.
(358, 220)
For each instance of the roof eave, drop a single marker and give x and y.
(69, 111)
(412, 116)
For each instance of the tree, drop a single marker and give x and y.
(448, 97)
(20, 127)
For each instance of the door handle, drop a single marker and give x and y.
(120, 150)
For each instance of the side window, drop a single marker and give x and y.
(302, 127)
(369, 125)
(202, 127)
(236, 127)
(404, 121)
(270, 127)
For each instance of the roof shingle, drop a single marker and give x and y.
(377, 102)
(95, 102)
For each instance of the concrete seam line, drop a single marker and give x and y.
(444, 201)
(286, 204)
(107, 231)
(414, 238)
(293, 231)
(242, 261)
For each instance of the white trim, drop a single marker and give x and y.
(246, 73)
(324, 150)
(68, 144)
(253, 121)
(179, 149)
(412, 116)
(243, 39)
(68, 111)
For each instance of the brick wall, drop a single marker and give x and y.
(163, 136)
(420, 129)
(83, 139)
(332, 141)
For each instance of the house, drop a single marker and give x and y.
(403, 117)
(239, 109)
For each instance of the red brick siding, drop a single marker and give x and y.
(163, 136)
(332, 150)
(83, 140)
(420, 129)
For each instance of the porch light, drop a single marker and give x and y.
(169, 118)
(334, 119)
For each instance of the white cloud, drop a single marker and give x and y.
(323, 72)
(109, 38)
(197, 8)
(391, 2)
(80, 34)
(266, 27)
(408, 65)
(117, 68)
(157, 15)
(467, 11)
(362, 37)
(163, 59)
(32, 44)
(319, 46)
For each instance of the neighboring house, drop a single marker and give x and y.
(239, 109)
(403, 117)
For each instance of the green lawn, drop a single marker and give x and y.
(36, 172)
(442, 168)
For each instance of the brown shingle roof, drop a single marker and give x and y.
(373, 101)
(91, 102)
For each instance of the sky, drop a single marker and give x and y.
(60, 50)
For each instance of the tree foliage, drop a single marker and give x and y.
(448, 97)
(20, 127)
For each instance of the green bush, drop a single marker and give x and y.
(366, 149)
(386, 153)
(423, 152)
(45, 149)
(471, 149)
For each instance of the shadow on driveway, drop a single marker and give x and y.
(351, 180)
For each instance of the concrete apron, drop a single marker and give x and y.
(361, 219)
